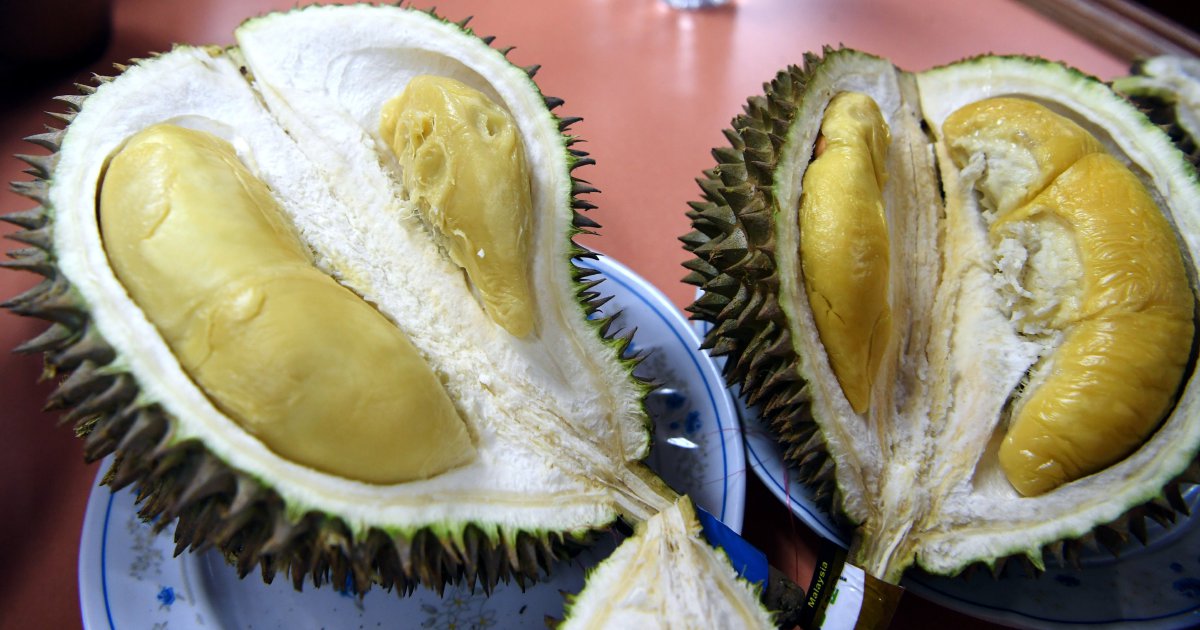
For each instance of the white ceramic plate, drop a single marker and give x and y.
(129, 579)
(1156, 586)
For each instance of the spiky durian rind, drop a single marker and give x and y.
(736, 268)
(733, 240)
(212, 505)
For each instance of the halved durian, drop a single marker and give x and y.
(539, 426)
(977, 320)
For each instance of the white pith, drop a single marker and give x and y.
(667, 576)
(919, 470)
(556, 418)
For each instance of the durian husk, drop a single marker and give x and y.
(210, 505)
(736, 267)
(733, 241)
(1167, 90)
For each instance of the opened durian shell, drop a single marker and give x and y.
(572, 451)
(919, 487)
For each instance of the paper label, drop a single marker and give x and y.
(845, 602)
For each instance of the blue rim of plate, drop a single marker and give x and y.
(764, 457)
(720, 399)
(96, 603)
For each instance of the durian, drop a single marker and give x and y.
(306, 349)
(1007, 257)
(667, 576)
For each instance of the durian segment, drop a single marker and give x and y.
(1127, 334)
(844, 242)
(982, 517)
(463, 164)
(896, 417)
(1024, 146)
(666, 576)
(1091, 258)
(325, 73)
(297, 360)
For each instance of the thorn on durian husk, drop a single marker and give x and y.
(586, 283)
(736, 306)
(1110, 538)
(994, 569)
(581, 253)
(64, 117)
(1174, 496)
(51, 299)
(41, 165)
(598, 303)
(55, 337)
(90, 346)
(49, 140)
(35, 189)
(579, 220)
(727, 156)
(694, 239)
(726, 249)
(724, 284)
(32, 260)
(584, 275)
(529, 559)
(81, 383)
(605, 325)
(565, 123)
(581, 161)
(722, 347)
(701, 266)
(41, 237)
(210, 477)
(74, 102)
(711, 301)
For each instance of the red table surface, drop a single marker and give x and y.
(654, 86)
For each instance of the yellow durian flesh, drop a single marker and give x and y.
(1118, 294)
(1030, 143)
(844, 242)
(309, 368)
(463, 164)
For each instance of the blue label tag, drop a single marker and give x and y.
(749, 562)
